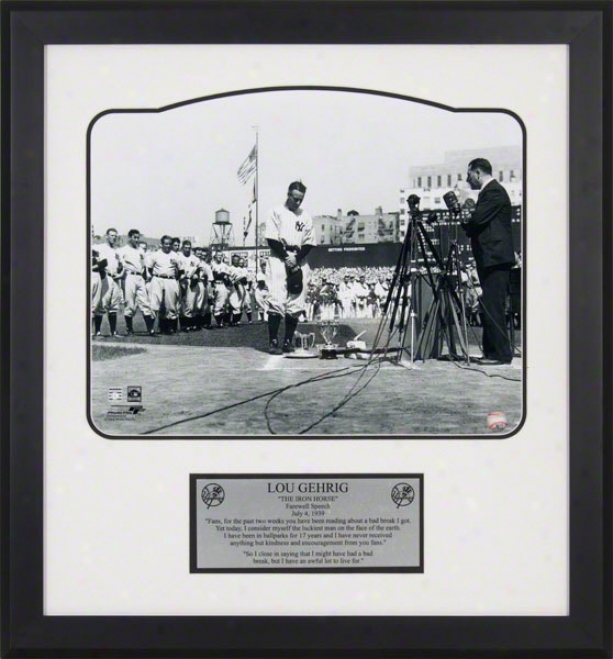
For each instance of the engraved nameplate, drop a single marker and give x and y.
(340, 523)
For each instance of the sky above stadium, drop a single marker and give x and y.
(170, 171)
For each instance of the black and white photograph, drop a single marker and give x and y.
(306, 261)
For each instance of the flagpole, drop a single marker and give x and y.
(257, 202)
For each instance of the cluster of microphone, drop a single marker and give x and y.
(451, 201)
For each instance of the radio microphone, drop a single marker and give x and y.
(451, 201)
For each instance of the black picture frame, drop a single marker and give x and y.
(27, 27)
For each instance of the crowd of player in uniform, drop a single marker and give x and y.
(179, 287)
(175, 286)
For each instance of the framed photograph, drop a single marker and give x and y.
(305, 344)
(390, 288)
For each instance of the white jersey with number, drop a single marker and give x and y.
(133, 258)
(162, 264)
(188, 264)
(219, 270)
(113, 260)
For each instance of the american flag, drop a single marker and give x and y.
(248, 167)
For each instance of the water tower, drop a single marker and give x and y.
(222, 234)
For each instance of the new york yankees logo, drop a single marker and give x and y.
(299, 225)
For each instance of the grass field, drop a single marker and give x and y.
(222, 382)
(104, 352)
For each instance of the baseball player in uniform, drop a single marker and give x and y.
(175, 248)
(111, 299)
(248, 279)
(221, 273)
(261, 297)
(99, 283)
(132, 258)
(192, 293)
(311, 295)
(163, 268)
(346, 296)
(236, 297)
(327, 294)
(205, 282)
(289, 232)
(372, 302)
(361, 295)
(206, 275)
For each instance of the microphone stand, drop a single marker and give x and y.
(441, 319)
(400, 302)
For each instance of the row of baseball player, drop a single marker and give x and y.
(167, 285)
(185, 285)
(132, 278)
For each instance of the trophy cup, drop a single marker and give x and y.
(329, 329)
(304, 344)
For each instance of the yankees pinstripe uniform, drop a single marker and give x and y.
(249, 290)
(164, 293)
(111, 298)
(99, 284)
(239, 299)
(236, 298)
(289, 232)
(192, 293)
(261, 297)
(205, 284)
(221, 273)
(135, 293)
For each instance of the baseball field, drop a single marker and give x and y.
(223, 382)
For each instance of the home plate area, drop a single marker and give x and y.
(223, 383)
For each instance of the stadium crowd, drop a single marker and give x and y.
(178, 287)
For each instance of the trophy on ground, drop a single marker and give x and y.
(303, 346)
(328, 331)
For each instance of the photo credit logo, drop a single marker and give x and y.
(497, 421)
(135, 394)
(115, 394)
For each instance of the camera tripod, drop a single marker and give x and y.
(445, 320)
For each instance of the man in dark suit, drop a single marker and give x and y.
(489, 229)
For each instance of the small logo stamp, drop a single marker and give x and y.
(115, 394)
(120, 410)
(124, 412)
(213, 495)
(135, 394)
(497, 421)
(402, 494)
